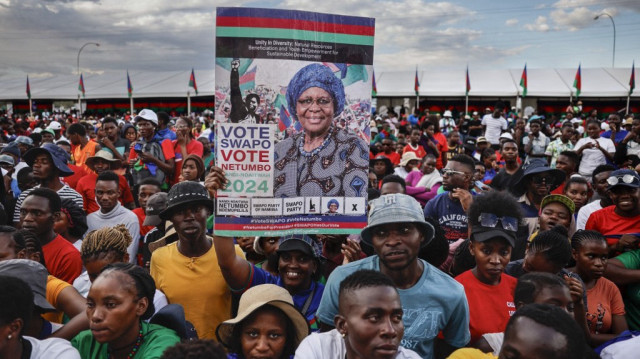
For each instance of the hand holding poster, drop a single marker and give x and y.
(303, 81)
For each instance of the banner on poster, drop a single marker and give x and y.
(293, 106)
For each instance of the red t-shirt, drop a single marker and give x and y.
(78, 173)
(141, 217)
(490, 306)
(612, 225)
(420, 152)
(394, 157)
(62, 259)
(194, 147)
(87, 189)
(442, 148)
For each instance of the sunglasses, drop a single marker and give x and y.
(450, 172)
(541, 180)
(628, 179)
(491, 220)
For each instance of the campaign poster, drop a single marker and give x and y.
(293, 107)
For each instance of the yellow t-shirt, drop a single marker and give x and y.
(471, 353)
(54, 287)
(195, 283)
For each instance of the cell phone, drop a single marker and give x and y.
(137, 148)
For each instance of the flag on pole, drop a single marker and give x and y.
(374, 88)
(81, 85)
(468, 82)
(632, 80)
(129, 86)
(577, 82)
(523, 81)
(28, 89)
(192, 81)
(416, 85)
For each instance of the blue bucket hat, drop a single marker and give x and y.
(59, 157)
(315, 75)
(397, 208)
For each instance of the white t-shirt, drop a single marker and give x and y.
(593, 157)
(585, 212)
(330, 345)
(495, 126)
(52, 348)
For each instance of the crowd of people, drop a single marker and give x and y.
(488, 236)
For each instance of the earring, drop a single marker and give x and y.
(9, 336)
(343, 334)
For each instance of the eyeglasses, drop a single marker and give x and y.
(450, 172)
(628, 179)
(323, 102)
(541, 180)
(491, 220)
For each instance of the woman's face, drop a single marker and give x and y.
(429, 166)
(189, 171)
(130, 134)
(379, 168)
(264, 334)
(478, 174)
(182, 127)
(593, 130)
(61, 224)
(296, 270)
(113, 309)
(591, 259)
(269, 244)
(578, 192)
(315, 111)
(491, 256)
(553, 214)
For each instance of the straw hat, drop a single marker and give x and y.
(408, 157)
(114, 163)
(254, 299)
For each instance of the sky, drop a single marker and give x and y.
(42, 37)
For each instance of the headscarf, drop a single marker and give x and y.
(315, 75)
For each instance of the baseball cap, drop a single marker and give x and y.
(303, 243)
(6, 159)
(54, 125)
(626, 178)
(155, 204)
(491, 226)
(396, 208)
(24, 140)
(34, 274)
(481, 139)
(562, 199)
(147, 115)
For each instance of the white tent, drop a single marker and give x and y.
(596, 82)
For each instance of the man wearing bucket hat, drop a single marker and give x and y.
(299, 269)
(620, 223)
(187, 271)
(537, 181)
(102, 161)
(432, 301)
(49, 163)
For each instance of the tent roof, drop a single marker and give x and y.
(596, 82)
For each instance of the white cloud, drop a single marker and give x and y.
(539, 25)
(511, 22)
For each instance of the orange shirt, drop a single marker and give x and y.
(80, 154)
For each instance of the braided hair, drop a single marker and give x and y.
(75, 216)
(106, 242)
(582, 236)
(554, 244)
(29, 242)
(143, 284)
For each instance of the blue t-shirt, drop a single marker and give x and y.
(260, 276)
(167, 134)
(450, 215)
(435, 303)
(620, 135)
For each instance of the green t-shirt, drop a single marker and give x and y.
(156, 339)
(631, 294)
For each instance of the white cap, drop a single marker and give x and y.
(147, 115)
(55, 125)
(447, 113)
(506, 135)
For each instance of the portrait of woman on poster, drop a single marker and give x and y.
(322, 159)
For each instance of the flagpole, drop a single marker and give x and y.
(31, 107)
(188, 103)
(628, 98)
(131, 104)
(79, 107)
(466, 104)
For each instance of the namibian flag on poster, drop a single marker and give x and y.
(294, 35)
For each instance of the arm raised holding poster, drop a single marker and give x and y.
(322, 160)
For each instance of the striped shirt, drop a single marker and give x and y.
(64, 192)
